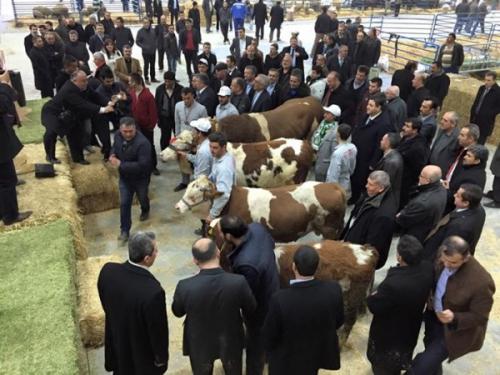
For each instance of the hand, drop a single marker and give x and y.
(115, 162)
(108, 109)
(209, 219)
(446, 184)
(445, 316)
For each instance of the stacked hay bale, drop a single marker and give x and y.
(49, 198)
(90, 313)
(96, 185)
(460, 98)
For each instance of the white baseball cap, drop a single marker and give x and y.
(334, 109)
(224, 91)
(202, 124)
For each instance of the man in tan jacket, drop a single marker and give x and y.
(127, 65)
(457, 317)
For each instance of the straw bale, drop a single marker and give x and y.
(51, 199)
(460, 98)
(26, 159)
(96, 185)
(90, 312)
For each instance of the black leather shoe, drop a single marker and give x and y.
(53, 160)
(144, 216)
(489, 194)
(20, 217)
(20, 182)
(180, 187)
(154, 80)
(83, 162)
(123, 237)
(156, 172)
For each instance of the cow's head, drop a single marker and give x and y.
(197, 192)
(184, 142)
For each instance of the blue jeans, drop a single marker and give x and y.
(238, 24)
(127, 191)
(172, 63)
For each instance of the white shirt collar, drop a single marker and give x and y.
(297, 281)
(138, 265)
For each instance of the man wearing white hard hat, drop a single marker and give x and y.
(324, 140)
(225, 108)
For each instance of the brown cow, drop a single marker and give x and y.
(296, 118)
(262, 164)
(289, 212)
(353, 266)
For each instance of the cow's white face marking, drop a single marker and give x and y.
(278, 252)
(194, 193)
(259, 205)
(317, 246)
(362, 256)
(263, 124)
(182, 142)
(345, 284)
(305, 195)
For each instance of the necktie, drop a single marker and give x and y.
(452, 168)
(341, 61)
(326, 99)
(292, 53)
(481, 99)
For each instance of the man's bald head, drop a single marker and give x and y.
(204, 250)
(430, 174)
(392, 92)
(79, 78)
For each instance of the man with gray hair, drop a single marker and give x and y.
(372, 218)
(261, 101)
(425, 209)
(205, 95)
(136, 329)
(100, 65)
(444, 148)
(396, 107)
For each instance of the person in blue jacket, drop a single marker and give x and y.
(238, 12)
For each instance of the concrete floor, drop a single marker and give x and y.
(175, 234)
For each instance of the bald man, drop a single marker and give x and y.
(424, 211)
(396, 107)
(213, 302)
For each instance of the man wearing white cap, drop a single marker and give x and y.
(225, 108)
(202, 160)
(324, 140)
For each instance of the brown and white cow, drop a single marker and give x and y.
(289, 212)
(296, 118)
(262, 164)
(353, 266)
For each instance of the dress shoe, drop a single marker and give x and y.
(489, 194)
(148, 82)
(154, 80)
(492, 204)
(123, 237)
(156, 172)
(20, 217)
(180, 187)
(53, 160)
(89, 149)
(20, 182)
(83, 162)
(144, 216)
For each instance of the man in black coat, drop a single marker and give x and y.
(426, 208)
(188, 44)
(28, 39)
(10, 146)
(372, 218)
(397, 307)
(204, 93)
(96, 41)
(391, 162)
(417, 96)
(438, 83)
(295, 88)
(213, 302)
(277, 15)
(44, 80)
(253, 257)
(239, 98)
(445, 146)
(341, 63)
(297, 53)
(472, 170)
(300, 331)
(336, 93)
(236, 45)
(403, 79)
(486, 106)
(366, 137)
(132, 157)
(428, 110)
(122, 35)
(358, 85)
(415, 152)
(260, 16)
(136, 329)
(466, 221)
(167, 95)
(173, 9)
(261, 100)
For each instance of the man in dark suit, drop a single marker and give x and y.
(341, 63)
(167, 95)
(438, 82)
(173, 9)
(136, 329)
(209, 56)
(391, 162)
(366, 137)
(10, 146)
(336, 93)
(417, 96)
(300, 331)
(232, 69)
(428, 110)
(213, 302)
(372, 218)
(204, 93)
(261, 101)
(273, 88)
(297, 53)
(426, 208)
(253, 257)
(466, 221)
(260, 16)
(239, 98)
(239, 45)
(471, 170)
(445, 146)
(277, 15)
(456, 320)
(403, 78)
(486, 106)
(294, 88)
(397, 307)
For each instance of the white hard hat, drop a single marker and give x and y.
(202, 124)
(224, 91)
(334, 109)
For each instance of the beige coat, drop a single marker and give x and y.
(121, 69)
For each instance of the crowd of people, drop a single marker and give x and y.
(407, 168)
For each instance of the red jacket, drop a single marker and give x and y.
(144, 109)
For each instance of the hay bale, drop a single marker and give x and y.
(30, 155)
(90, 312)
(51, 199)
(96, 185)
(460, 98)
